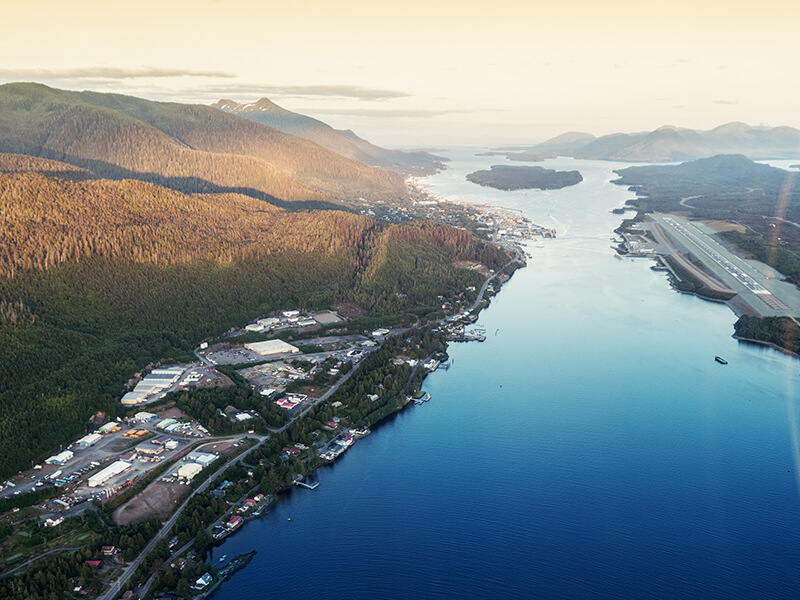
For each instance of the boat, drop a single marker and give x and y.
(720, 360)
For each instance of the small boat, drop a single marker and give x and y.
(289, 519)
(720, 360)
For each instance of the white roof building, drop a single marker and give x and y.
(110, 471)
(189, 470)
(202, 458)
(90, 440)
(108, 427)
(271, 347)
(133, 398)
(60, 458)
(165, 423)
(144, 416)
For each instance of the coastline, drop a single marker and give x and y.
(482, 301)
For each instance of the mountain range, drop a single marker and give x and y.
(672, 144)
(189, 148)
(343, 142)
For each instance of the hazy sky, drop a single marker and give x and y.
(429, 73)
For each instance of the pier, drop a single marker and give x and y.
(312, 486)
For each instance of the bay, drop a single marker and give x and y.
(590, 448)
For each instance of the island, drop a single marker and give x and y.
(504, 177)
(520, 155)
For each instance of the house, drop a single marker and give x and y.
(250, 503)
(109, 550)
(235, 522)
(202, 581)
(94, 562)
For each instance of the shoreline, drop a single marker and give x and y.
(482, 302)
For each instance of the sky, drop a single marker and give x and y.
(428, 73)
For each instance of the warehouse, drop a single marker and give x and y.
(189, 470)
(60, 458)
(90, 440)
(110, 471)
(108, 427)
(144, 417)
(166, 423)
(271, 347)
(133, 398)
(203, 458)
(149, 449)
(170, 371)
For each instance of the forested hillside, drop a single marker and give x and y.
(188, 148)
(98, 278)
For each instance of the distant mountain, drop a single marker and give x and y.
(672, 144)
(344, 142)
(189, 148)
(566, 142)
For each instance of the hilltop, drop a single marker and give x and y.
(343, 142)
(188, 148)
(671, 144)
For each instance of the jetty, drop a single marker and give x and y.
(312, 486)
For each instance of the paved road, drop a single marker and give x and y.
(35, 558)
(131, 568)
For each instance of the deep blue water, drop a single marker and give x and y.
(592, 448)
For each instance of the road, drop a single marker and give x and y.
(35, 558)
(131, 568)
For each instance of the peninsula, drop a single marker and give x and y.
(503, 177)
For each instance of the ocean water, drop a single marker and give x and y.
(590, 448)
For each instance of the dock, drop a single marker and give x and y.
(312, 486)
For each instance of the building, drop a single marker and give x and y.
(133, 398)
(327, 318)
(235, 522)
(271, 347)
(108, 427)
(144, 417)
(53, 522)
(112, 470)
(203, 581)
(189, 470)
(380, 332)
(60, 458)
(171, 444)
(254, 327)
(202, 458)
(90, 440)
(269, 322)
(291, 314)
(149, 449)
(166, 423)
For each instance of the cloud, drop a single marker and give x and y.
(106, 73)
(728, 102)
(299, 91)
(381, 113)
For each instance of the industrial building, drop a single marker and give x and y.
(110, 471)
(60, 458)
(165, 423)
(271, 347)
(144, 417)
(202, 458)
(133, 398)
(189, 470)
(108, 427)
(149, 449)
(90, 440)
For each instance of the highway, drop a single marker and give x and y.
(169, 523)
